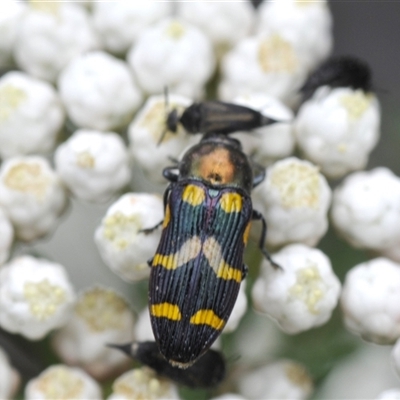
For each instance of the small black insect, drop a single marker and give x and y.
(207, 372)
(344, 71)
(209, 117)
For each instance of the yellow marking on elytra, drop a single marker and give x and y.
(216, 167)
(167, 310)
(212, 251)
(167, 217)
(189, 251)
(231, 202)
(194, 195)
(207, 317)
(246, 233)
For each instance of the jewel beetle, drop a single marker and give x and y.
(206, 373)
(198, 266)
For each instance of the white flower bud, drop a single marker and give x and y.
(256, 329)
(6, 237)
(338, 128)
(62, 382)
(143, 383)
(264, 63)
(143, 329)
(396, 357)
(370, 300)
(100, 317)
(363, 374)
(50, 35)
(11, 13)
(9, 377)
(301, 295)
(229, 396)
(147, 129)
(122, 246)
(99, 91)
(294, 199)
(35, 297)
(31, 115)
(31, 195)
(225, 23)
(389, 394)
(93, 165)
(172, 53)
(308, 24)
(272, 142)
(238, 311)
(119, 23)
(366, 209)
(283, 379)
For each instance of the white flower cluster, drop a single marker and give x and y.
(93, 94)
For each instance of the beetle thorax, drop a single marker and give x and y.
(217, 164)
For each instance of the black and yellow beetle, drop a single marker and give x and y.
(198, 266)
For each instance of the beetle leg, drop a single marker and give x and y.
(170, 174)
(259, 217)
(245, 271)
(150, 261)
(258, 172)
(152, 229)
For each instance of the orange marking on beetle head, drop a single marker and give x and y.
(216, 167)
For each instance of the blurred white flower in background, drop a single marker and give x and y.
(10, 16)
(225, 23)
(62, 382)
(265, 63)
(119, 23)
(100, 317)
(36, 296)
(283, 379)
(294, 199)
(6, 237)
(366, 209)
(31, 115)
(98, 91)
(172, 53)
(9, 377)
(306, 23)
(50, 35)
(122, 245)
(31, 195)
(302, 294)
(370, 300)
(143, 383)
(93, 165)
(390, 394)
(338, 128)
